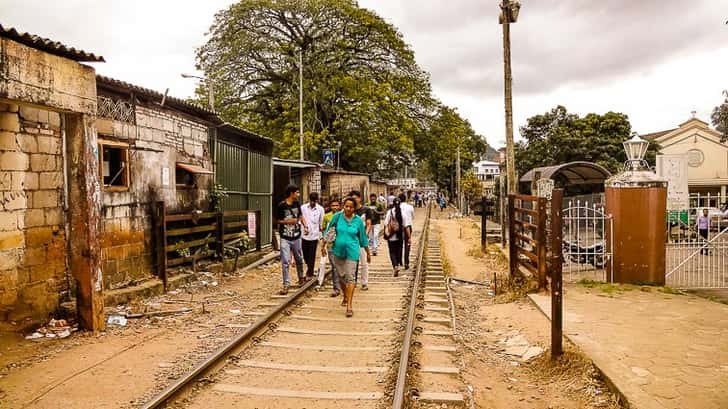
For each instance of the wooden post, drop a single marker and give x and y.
(258, 239)
(160, 214)
(512, 253)
(557, 200)
(220, 234)
(541, 242)
(483, 225)
(84, 220)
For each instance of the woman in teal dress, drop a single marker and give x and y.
(351, 235)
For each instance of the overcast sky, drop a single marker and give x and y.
(655, 60)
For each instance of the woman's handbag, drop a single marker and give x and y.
(330, 236)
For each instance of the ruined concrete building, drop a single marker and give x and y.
(83, 160)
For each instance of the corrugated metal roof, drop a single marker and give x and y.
(294, 163)
(171, 101)
(49, 46)
(577, 173)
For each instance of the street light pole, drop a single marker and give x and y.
(210, 90)
(300, 100)
(509, 14)
(459, 188)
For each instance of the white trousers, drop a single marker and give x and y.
(363, 266)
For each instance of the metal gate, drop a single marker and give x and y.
(586, 250)
(247, 177)
(694, 262)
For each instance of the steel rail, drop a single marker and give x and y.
(399, 392)
(221, 353)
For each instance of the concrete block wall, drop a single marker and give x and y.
(160, 138)
(32, 234)
(340, 184)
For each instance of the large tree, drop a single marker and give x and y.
(361, 85)
(558, 136)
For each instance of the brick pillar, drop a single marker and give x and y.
(85, 219)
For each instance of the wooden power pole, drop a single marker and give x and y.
(509, 14)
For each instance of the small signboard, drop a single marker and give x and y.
(328, 157)
(674, 168)
(251, 225)
(544, 188)
(165, 176)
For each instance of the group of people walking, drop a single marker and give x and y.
(349, 234)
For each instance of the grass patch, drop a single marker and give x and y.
(607, 288)
(610, 288)
(475, 252)
(670, 290)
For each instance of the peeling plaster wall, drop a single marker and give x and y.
(36, 77)
(160, 139)
(340, 184)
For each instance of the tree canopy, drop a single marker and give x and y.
(719, 118)
(361, 84)
(558, 136)
(437, 147)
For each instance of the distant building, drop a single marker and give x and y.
(488, 173)
(403, 183)
(707, 157)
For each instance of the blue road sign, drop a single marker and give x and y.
(329, 157)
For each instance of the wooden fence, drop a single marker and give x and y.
(527, 235)
(535, 232)
(185, 238)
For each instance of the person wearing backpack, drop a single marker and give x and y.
(395, 234)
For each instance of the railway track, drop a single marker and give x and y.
(301, 351)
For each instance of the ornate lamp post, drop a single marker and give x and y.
(635, 148)
(637, 201)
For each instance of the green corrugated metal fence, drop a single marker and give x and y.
(247, 177)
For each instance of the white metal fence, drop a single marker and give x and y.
(707, 200)
(587, 254)
(695, 262)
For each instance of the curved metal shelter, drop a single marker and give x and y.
(572, 173)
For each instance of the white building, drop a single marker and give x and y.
(488, 173)
(707, 158)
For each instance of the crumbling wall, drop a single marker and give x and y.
(32, 234)
(160, 139)
(340, 184)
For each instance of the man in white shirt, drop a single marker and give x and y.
(313, 214)
(408, 217)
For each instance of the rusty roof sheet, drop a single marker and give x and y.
(49, 46)
(170, 101)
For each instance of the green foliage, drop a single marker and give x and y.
(471, 186)
(361, 84)
(437, 147)
(217, 194)
(557, 137)
(719, 118)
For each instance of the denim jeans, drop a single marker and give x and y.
(288, 246)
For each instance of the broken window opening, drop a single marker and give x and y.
(114, 159)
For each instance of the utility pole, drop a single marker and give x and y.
(300, 100)
(509, 14)
(457, 171)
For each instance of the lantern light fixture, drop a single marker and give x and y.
(635, 148)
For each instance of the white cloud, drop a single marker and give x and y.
(655, 60)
